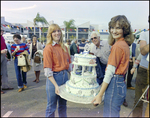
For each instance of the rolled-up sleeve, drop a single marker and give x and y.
(48, 72)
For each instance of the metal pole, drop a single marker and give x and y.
(139, 99)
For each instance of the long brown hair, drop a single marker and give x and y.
(51, 28)
(126, 27)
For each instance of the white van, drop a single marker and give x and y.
(8, 37)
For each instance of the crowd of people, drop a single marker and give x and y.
(117, 59)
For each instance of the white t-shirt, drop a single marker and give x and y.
(145, 37)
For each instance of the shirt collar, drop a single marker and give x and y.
(54, 43)
(101, 44)
(121, 39)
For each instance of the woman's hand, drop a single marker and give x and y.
(4, 51)
(132, 70)
(97, 100)
(16, 49)
(57, 89)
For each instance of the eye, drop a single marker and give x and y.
(118, 28)
(111, 27)
(58, 30)
(54, 31)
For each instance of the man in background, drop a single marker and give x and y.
(82, 45)
(23, 40)
(67, 44)
(142, 79)
(4, 75)
(101, 50)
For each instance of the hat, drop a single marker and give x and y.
(28, 39)
(83, 40)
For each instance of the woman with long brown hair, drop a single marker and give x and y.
(113, 85)
(56, 61)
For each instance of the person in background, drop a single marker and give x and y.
(16, 50)
(131, 62)
(68, 45)
(136, 63)
(11, 43)
(28, 42)
(23, 40)
(4, 75)
(34, 48)
(8, 46)
(101, 49)
(56, 64)
(73, 50)
(43, 44)
(82, 45)
(78, 50)
(142, 73)
(120, 38)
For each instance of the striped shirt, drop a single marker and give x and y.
(22, 46)
(103, 51)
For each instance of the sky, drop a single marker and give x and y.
(97, 12)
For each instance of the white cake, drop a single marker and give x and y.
(82, 82)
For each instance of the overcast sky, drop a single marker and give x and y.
(97, 12)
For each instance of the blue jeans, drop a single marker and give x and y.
(18, 74)
(52, 98)
(114, 96)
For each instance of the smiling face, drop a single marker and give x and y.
(95, 39)
(56, 35)
(17, 41)
(34, 39)
(116, 31)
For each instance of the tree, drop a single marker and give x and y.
(39, 19)
(69, 25)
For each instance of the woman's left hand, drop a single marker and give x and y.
(57, 89)
(97, 100)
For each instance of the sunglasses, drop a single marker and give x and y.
(2, 30)
(94, 38)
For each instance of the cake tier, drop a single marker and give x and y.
(84, 92)
(85, 59)
(82, 85)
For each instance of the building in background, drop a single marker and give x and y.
(27, 29)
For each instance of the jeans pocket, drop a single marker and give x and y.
(121, 89)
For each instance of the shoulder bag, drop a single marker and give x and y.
(21, 60)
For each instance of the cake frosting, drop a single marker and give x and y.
(82, 82)
(84, 59)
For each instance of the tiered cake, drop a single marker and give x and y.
(82, 86)
(82, 82)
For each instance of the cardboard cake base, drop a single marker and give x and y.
(72, 98)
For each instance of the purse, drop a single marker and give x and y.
(37, 58)
(21, 60)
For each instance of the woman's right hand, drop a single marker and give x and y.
(132, 70)
(57, 89)
(97, 100)
(16, 49)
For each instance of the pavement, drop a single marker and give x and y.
(32, 101)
